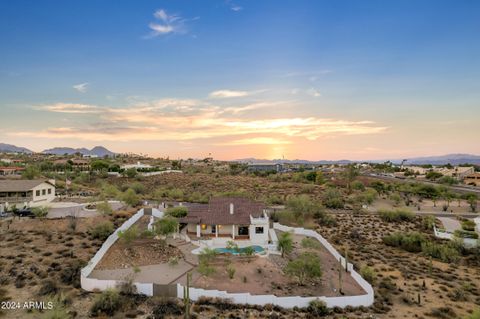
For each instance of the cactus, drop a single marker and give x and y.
(346, 259)
(186, 296)
(340, 281)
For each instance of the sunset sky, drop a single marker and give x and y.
(235, 79)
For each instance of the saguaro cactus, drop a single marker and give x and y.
(186, 296)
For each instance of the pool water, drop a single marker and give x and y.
(258, 249)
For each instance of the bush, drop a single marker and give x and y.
(310, 243)
(101, 231)
(177, 212)
(166, 226)
(129, 235)
(166, 307)
(306, 266)
(468, 225)
(396, 215)
(368, 274)
(285, 243)
(248, 251)
(49, 287)
(106, 303)
(444, 252)
(411, 241)
(317, 308)
(130, 197)
(230, 271)
(104, 208)
(465, 234)
(474, 315)
(333, 199)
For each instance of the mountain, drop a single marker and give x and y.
(8, 148)
(99, 151)
(454, 159)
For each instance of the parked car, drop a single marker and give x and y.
(4, 214)
(25, 213)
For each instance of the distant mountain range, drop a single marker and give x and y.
(8, 148)
(454, 159)
(99, 151)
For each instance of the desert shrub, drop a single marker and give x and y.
(248, 251)
(428, 222)
(130, 197)
(468, 225)
(138, 187)
(40, 212)
(104, 208)
(444, 252)
(369, 274)
(166, 307)
(205, 259)
(396, 215)
(443, 312)
(175, 193)
(285, 243)
(101, 231)
(411, 241)
(474, 315)
(332, 198)
(357, 185)
(129, 235)
(310, 243)
(317, 308)
(166, 226)
(177, 212)
(70, 273)
(231, 271)
(306, 266)
(460, 233)
(106, 303)
(48, 287)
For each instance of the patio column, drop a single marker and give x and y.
(216, 230)
(233, 231)
(198, 230)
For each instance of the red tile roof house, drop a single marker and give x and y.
(228, 218)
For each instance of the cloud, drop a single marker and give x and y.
(222, 94)
(236, 8)
(166, 24)
(313, 92)
(82, 87)
(191, 119)
(256, 141)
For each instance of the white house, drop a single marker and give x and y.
(137, 166)
(27, 193)
(228, 217)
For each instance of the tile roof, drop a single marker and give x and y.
(217, 211)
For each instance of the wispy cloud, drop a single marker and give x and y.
(190, 119)
(166, 24)
(82, 87)
(256, 141)
(227, 94)
(313, 92)
(233, 6)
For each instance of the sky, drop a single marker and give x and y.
(237, 79)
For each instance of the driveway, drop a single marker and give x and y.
(450, 224)
(66, 209)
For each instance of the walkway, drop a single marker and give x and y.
(450, 224)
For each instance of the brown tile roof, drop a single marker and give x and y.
(217, 211)
(20, 185)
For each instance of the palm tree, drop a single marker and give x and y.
(285, 243)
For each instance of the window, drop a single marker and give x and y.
(214, 229)
(44, 191)
(49, 191)
(243, 231)
(37, 193)
(258, 230)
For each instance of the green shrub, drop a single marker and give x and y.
(166, 226)
(177, 212)
(248, 251)
(333, 199)
(106, 303)
(468, 225)
(460, 233)
(444, 252)
(231, 271)
(474, 315)
(306, 266)
(129, 235)
(310, 243)
(317, 308)
(396, 215)
(369, 274)
(101, 231)
(411, 241)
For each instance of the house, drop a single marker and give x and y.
(472, 179)
(265, 167)
(26, 192)
(76, 164)
(228, 217)
(10, 170)
(137, 166)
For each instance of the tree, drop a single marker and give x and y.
(332, 198)
(285, 243)
(350, 174)
(472, 201)
(129, 235)
(99, 165)
(104, 208)
(31, 172)
(131, 172)
(166, 226)
(306, 266)
(130, 197)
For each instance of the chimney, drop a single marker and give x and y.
(231, 208)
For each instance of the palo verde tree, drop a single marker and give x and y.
(306, 266)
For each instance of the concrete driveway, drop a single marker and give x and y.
(66, 209)
(450, 224)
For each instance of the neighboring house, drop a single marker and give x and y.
(265, 167)
(76, 164)
(472, 179)
(10, 170)
(232, 217)
(26, 192)
(137, 166)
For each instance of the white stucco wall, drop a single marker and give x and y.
(43, 199)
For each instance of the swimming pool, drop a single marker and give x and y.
(258, 250)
